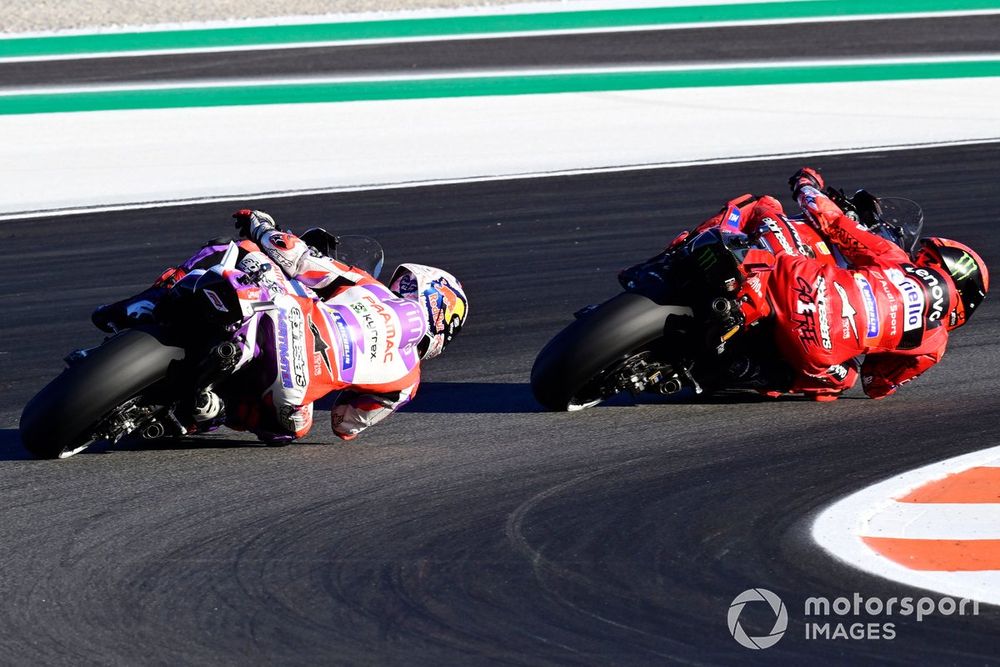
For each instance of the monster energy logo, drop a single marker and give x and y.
(706, 258)
(964, 267)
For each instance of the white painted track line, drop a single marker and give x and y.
(873, 511)
(971, 521)
(123, 157)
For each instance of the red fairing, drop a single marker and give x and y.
(885, 308)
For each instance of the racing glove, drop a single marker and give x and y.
(253, 224)
(806, 176)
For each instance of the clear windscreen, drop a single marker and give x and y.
(905, 217)
(363, 252)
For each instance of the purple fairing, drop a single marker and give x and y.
(250, 382)
(208, 256)
(266, 356)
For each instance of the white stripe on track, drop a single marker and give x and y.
(839, 527)
(936, 521)
(135, 206)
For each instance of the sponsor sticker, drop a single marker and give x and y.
(964, 267)
(291, 344)
(389, 326)
(934, 287)
(813, 313)
(407, 285)
(261, 272)
(346, 344)
(890, 296)
(803, 248)
(823, 313)
(320, 347)
(734, 218)
(774, 228)
(913, 299)
(838, 372)
(297, 327)
(847, 314)
(216, 301)
(871, 306)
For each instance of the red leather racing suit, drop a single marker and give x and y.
(884, 308)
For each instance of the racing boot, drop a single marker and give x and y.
(823, 396)
(127, 313)
(208, 412)
(768, 378)
(137, 309)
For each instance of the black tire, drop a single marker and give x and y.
(62, 416)
(594, 343)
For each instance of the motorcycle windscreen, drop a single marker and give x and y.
(360, 251)
(906, 217)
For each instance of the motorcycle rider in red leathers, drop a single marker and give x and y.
(335, 327)
(894, 311)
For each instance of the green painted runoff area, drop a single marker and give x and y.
(221, 38)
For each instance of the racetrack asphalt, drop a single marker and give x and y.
(924, 37)
(472, 528)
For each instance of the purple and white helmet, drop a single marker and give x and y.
(442, 298)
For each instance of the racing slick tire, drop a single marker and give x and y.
(60, 420)
(600, 340)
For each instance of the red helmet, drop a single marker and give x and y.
(965, 267)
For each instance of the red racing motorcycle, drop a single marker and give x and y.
(674, 327)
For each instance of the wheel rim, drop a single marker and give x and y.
(602, 386)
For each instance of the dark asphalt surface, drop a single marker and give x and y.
(471, 528)
(969, 35)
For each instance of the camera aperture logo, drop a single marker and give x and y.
(844, 618)
(780, 618)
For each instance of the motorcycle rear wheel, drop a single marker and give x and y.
(61, 419)
(568, 372)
